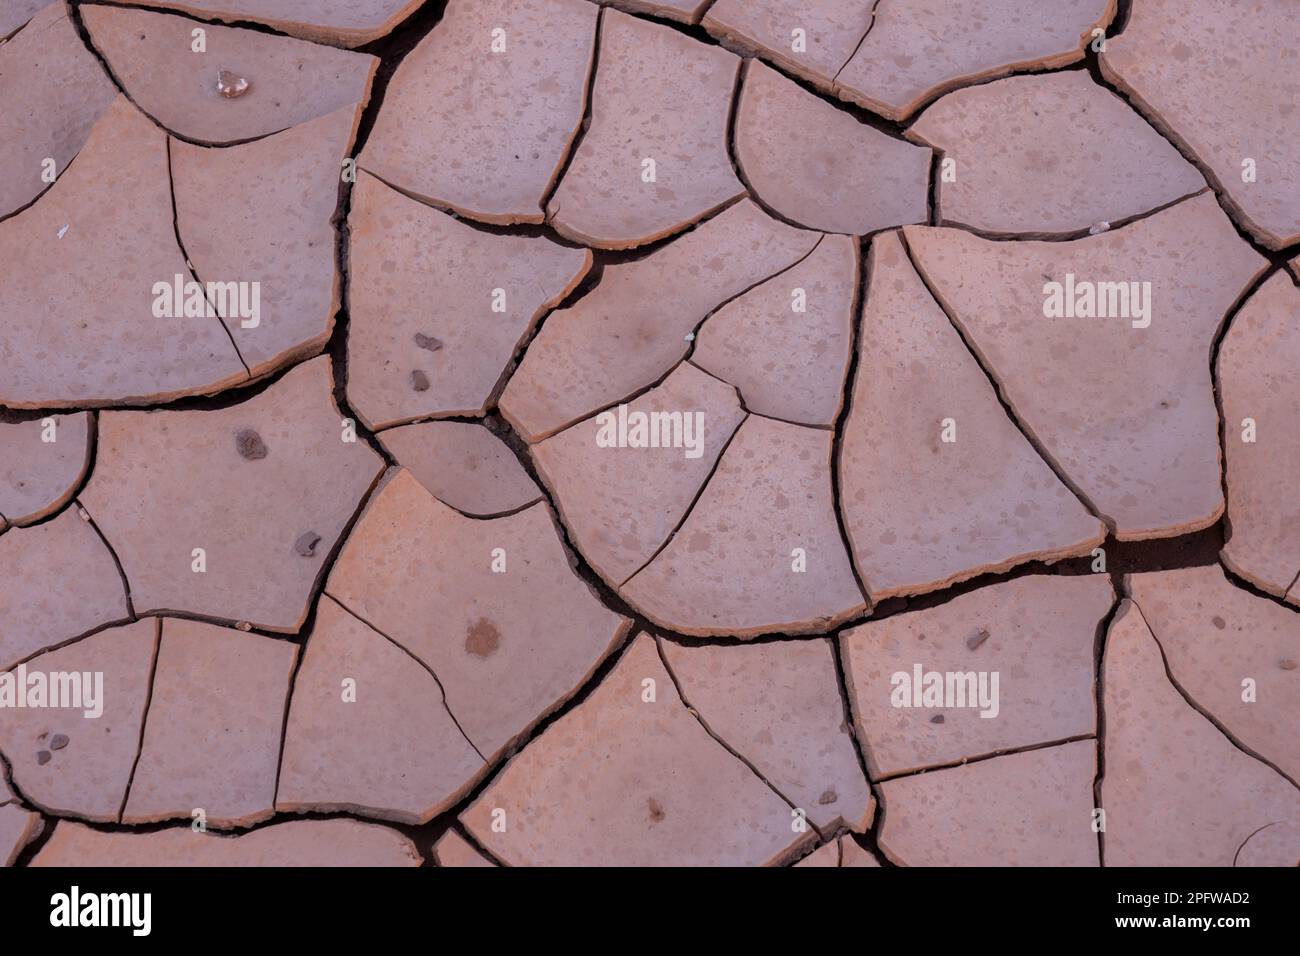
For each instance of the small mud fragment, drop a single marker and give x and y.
(937, 719)
(419, 381)
(42, 757)
(427, 342)
(306, 544)
(250, 445)
(978, 638)
(58, 741)
(231, 85)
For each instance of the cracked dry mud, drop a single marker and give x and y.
(556, 432)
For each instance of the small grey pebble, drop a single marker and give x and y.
(58, 741)
(250, 445)
(306, 543)
(427, 342)
(419, 381)
(937, 719)
(42, 757)
(978, 638)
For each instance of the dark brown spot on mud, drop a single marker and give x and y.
(483, 638)
(250, 445)
(427, 342)
(1286, 664)
(419, 381)
(1219, 622)
(937, 719)
(306, 544)
(829, 797)
(657, 814)
(42, 757)
(58, 741)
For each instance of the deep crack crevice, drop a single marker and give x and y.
(144, 717)
(857, 311)
(1120, 592)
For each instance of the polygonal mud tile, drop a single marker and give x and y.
(778, 705)
(86, 323)
(1277, 844)
(1222, 80)
(72, 749)
(480, 116)
(654, 159)
(57, 581)
(1216, 638)
(368, 730)
(828, 854)
(1006, 666)
(18, 827)
(761, 550)
(463, 465)
(1052, 153)
(438, 307)
(633, 327)
(1259, 382)
(630, 778)
(492, 607)
(287, 81)
(1101, 348)
(52, 90)
(17, 13)
(452, 849)
(811, 40)
(917, 49)
(312, 843)
(785, 343)
(623, 482)
(263, 213)
(212, 736)
(852, 855)
(1022, 809)
(1176, 791)
(978, 498)
(231, 513)
(42, 462)
(818, 166)
(349, 23)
